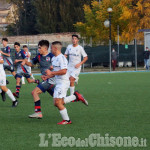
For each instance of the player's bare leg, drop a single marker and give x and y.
(35, 93)
(58, 102)
(32, 80)
(72, 87)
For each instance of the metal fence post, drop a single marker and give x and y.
(135, 47)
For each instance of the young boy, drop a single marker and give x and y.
(21, 70)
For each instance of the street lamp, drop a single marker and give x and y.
(107, 24)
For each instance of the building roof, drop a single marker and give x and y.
(4, 5)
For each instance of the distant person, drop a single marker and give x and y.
(6, 53)
(75, 53)
(28, 55)
(114, 56)
(146, 58)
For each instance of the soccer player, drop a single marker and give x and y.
(21, 70)
(28, 55)
(3, 83)
(75, 52)
(59, 63)
(8, 63)
(44, 60)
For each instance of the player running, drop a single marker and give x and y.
(44, 59)
(75, 52)
(28, 55)
(59, 63)
(21, 70)
(3, 83)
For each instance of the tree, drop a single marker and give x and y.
(94, 21)
(136, 14)
(24, 18)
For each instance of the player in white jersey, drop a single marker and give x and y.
(28, 55)
(59, 65)
(3, 83)
(75, 52)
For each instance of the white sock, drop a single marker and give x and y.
(72, 88)
(64, 114)
(9, 93)
(23, 80)
(69, 99)
(0, 90)
(32, 76)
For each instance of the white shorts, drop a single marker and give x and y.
(61, 89)
(74, 72)
(2, 79)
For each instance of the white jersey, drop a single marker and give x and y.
(28, 56)
(1, 65)
(60, 62)
(75, 54)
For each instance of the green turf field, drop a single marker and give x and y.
(119, 104)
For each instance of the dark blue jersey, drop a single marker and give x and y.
(7, 59)
(44, 61)
(20, 55)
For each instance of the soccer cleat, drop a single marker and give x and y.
(64, 122)
(3, 95)
(16, 95)
(7, 82)
(80, 98)
(23, 83)
(36, 115)
(15, 103)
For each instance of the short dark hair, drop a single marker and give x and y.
(75, 35)
(25, 46)
(44, 43)
(16, 43)
(5, 39)
(57, 42)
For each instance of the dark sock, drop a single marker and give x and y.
(17, 89)
(37, 106)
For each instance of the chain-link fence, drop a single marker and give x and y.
(129, 57)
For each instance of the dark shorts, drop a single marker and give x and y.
(26, 75)
(9, 68)
(46, 86)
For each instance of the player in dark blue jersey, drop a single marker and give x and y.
(44, 60)
(6, 53)
(20, 55)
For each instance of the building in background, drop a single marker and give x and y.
(6, 10)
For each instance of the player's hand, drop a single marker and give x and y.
(16, 61)
(51, 67)
(49, 73)
(1, 52)
(23, 63)
(43, 77)
(77, 66)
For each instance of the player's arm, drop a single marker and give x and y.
(82, 62)
(66, 55)
(51, 74)
(6, 54)
(18, 60)
(25, 62)
(1, 61)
